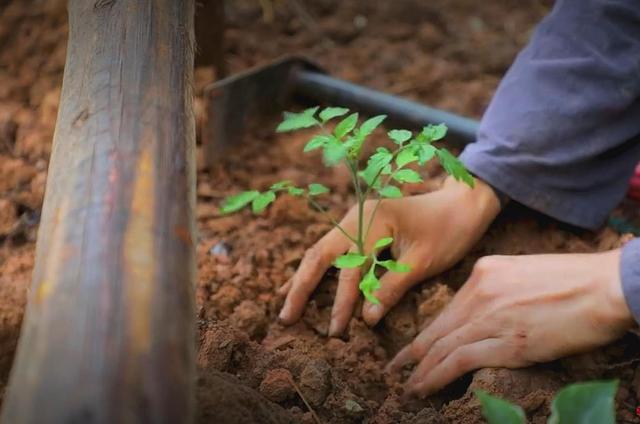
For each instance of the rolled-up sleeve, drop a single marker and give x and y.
(561, 134)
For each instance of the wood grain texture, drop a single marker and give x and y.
(109, 332)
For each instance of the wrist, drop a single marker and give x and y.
(619, 313)
(481, 199)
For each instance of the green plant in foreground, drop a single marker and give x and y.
(581, 403)
(380, 177)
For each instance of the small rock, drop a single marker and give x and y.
(276, 385)
(219, 249)
(353, 407)
(315, 381)
(251, 318)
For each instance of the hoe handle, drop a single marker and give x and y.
(323, 88)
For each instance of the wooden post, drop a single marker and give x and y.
(108, 335)
(210, 23)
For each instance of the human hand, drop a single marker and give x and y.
(515, 311)
(431, 232)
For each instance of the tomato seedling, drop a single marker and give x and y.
(380, 177)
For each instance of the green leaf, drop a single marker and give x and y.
(297, 121)
(375, 165)
(425, 153)
(280, 185)
(350, 260)
(332, 112)
(262, 201)
(383, 242)
(295, 191)
(406, 156)
(499, 411)
(370, 284)
(434, 132)
(238, 201)
(454, 167)
(316, 189)
(333, 152)
(407, 176)
(346, 125)
(585, 403)
(370, 125)
(399, 136)
(316, 142)
(391, 192)
(394, 266)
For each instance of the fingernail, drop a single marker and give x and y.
(333, 329)
(283, 314)
(374, 313)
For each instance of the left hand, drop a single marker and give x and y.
(515, 311)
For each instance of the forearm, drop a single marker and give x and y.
(559, 133)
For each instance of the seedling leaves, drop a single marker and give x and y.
(316, 189)
(425, 153)
(454, 167)
(316, 142)
(499, 411)
(383, 242)
(585, 403)
(399, 136)
(346, 125)
(406, 156)
(238, 201)
(297, 121)
(295, 191)
(434, 132)
(350, 260)
(370, 125)
(280, 185)
(394, 266)
(407, 176)
(332, 112)
(263, 200)
(390, 191)
(370, 284)
(334, 152)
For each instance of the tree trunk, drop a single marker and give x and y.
(108, 335)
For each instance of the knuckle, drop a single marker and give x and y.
(486, 265)
(313, 256)
(417, 350)
(349, 275)
(462, 360)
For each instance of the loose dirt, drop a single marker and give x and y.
(449, 54)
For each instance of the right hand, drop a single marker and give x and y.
(431, 233)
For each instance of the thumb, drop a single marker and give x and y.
(393, 285)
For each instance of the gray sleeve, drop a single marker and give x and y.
(630, 275)
(561, 133)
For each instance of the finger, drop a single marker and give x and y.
(393, 285)
(453, 316)
(443, 347)
(313, 266)
(481, 354)
(284, 289)
(402, 358)
(346, 298)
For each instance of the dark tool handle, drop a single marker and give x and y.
(323, 88)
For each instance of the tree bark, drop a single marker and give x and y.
(108, 335)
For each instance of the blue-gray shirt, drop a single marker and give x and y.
(562, 133)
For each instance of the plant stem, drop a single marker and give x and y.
(333, 221)
(361, 199)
